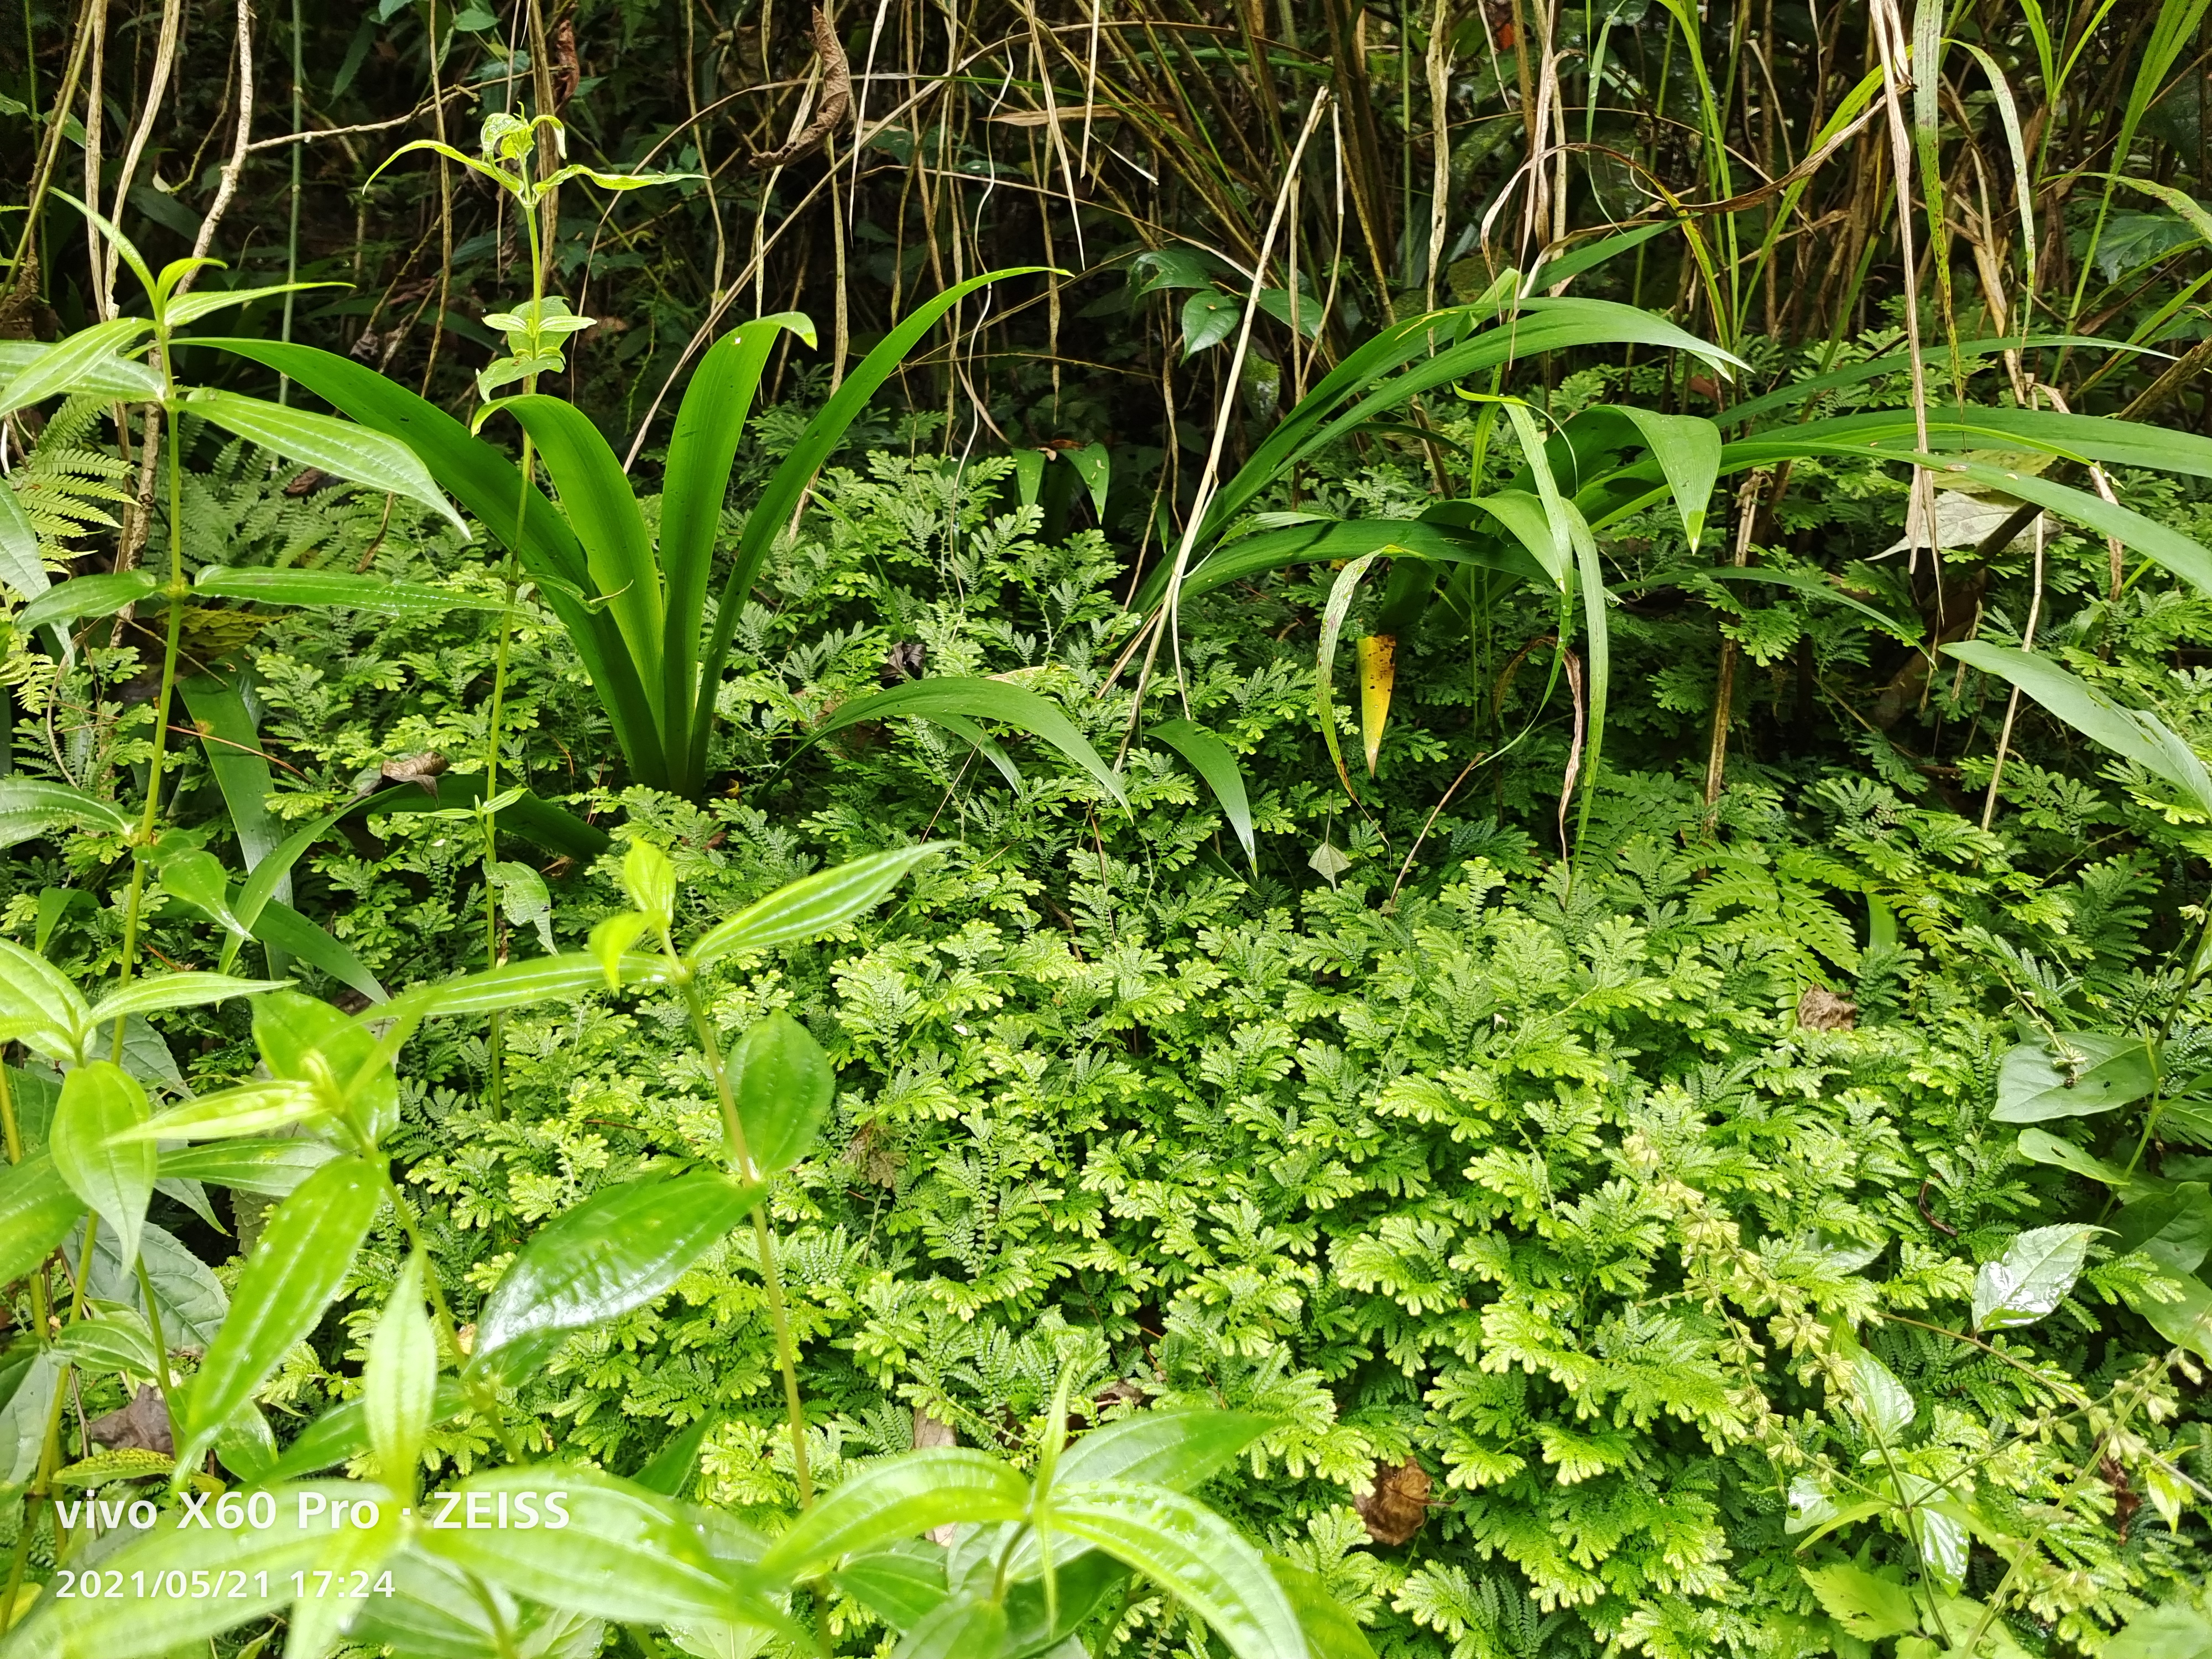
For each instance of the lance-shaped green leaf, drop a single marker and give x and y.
(563, 978)
(901, 1585)
(85, 361)
(811, 906)
(784, 1088)
(305, 1250)
(991, 700)
(342, 589)
(30, 807)
(2129, 733)
(116, 1340)
(899, 1498)
(185, 309)
(39, 1002)
(2095, 1071)
(400, 1381)
(966, 1626)
(190, 990)
(1180, 1450)
(341, 1434)
(252, 1108)
(254, 1566)
(306, 1041)
(650, 880)
(1330, 541)
(273, 1168)
(1193, 1554)
(702, 449)
(617, 1250)
(2030, 1278)
(600, 1545)
(114, 1176)
(37, 1211)
(338, 447)
(1330, 1630)
(1214, 760)
(88, 596)
(1883, 1400)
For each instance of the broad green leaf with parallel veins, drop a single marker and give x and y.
(563, 978)
(2030, 1278)
(355, 454)
(784, 1088)
(811, 906)
(2130, 732)
(87, 359)
(897, 1498)
(309, 1042)
(617, 1250)
(1193, 1554)
(99, 1104)
(2102, 1073)
(110, 1343)
(305, 1253)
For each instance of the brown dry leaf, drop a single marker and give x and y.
(422, 770)
(141, 1426)
(836, 100)
(1394, 1507)
(1822, 1010)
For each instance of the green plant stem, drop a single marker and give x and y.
(175, 593)
(161, 1378)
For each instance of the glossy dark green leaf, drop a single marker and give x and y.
(305, 1250)
(2030, 1278)
(37, 1210)
(1188, 1550)
(619, 1250)
(784, 1088)
(2101, 1072)
(114, 1176)
(899, 1498)
(1209, 318)
(2172, 1228)
(83, 596)
(811, 906)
